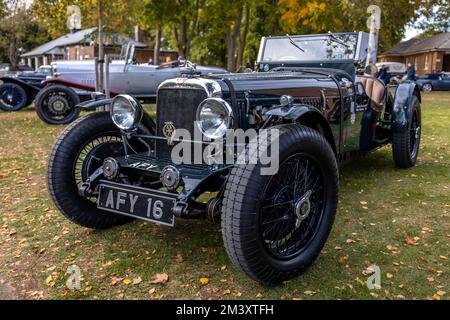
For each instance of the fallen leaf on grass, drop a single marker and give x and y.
(152, 291)
(443, 257)
(178, 258)
(389, 275)
(137, 280)
(49, 281)
(412, 241)
(392, 248)
(209, 250)
(226, 292)
(126, 281)
(342, 259)
(160, 278)
(115, 280)
(204, 281)
(309, 293)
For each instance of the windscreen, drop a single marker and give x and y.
(310, 48)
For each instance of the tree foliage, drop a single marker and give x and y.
(228, 32)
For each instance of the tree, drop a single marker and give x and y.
(347, 15)
(433, 17)
(18, 30)
(119, 15)
(153, 17)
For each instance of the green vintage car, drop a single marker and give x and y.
(312, 97)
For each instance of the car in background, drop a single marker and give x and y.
(18, 90)
(74, 82)
(393, 68)
(439, 81)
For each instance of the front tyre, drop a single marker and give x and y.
(427, 88)
(275, 226)
(78, 151)
(56, 104)
(12, 97)
(406, 145)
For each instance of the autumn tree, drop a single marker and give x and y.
(300, 16)
(119, 15)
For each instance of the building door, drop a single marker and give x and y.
(446, 63)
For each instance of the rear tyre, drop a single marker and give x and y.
(427, 87)
(56, 104)
(78, 151)
(12, 97)
(406, 145)
(274, 226)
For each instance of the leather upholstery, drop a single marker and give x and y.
(375, 90)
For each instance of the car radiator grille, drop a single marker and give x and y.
(178, 106)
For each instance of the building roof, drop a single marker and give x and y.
(416, 45)
(56, 46)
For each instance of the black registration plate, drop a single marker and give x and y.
(150, 205)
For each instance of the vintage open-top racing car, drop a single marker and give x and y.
(18, 91)
(310, 98)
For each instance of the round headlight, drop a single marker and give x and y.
(214, 117)
(126, 112)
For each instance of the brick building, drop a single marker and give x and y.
(427, 55)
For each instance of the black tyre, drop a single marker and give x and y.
(275, 226)
(427, 87)
(55, 104)
(406, 145)
(78, 151)
(12, 97)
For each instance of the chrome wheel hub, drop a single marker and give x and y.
(57, 104)
(303, 208)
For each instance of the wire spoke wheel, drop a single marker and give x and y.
(292, 206)
(58, 106)
(92, 155)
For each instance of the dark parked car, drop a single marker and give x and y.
(19, 90)
(310, 97)
(434, 82)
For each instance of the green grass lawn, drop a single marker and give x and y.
(396, 219)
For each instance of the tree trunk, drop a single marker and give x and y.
(13, 54)
(232, 36)
(157, 45)
(243, 36)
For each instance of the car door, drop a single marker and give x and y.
(445, 82)
(355, 104)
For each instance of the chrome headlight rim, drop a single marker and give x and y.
(228, 112)
(135, 108)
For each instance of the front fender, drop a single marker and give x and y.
(403, 106)
(94, 104)
(293, 112)
(28, 87)
(309, 116)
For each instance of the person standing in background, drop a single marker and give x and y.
(411, 72)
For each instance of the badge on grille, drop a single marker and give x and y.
(169, 132)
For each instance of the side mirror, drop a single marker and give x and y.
(371, 69)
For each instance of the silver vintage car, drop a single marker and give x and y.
(74, 82)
